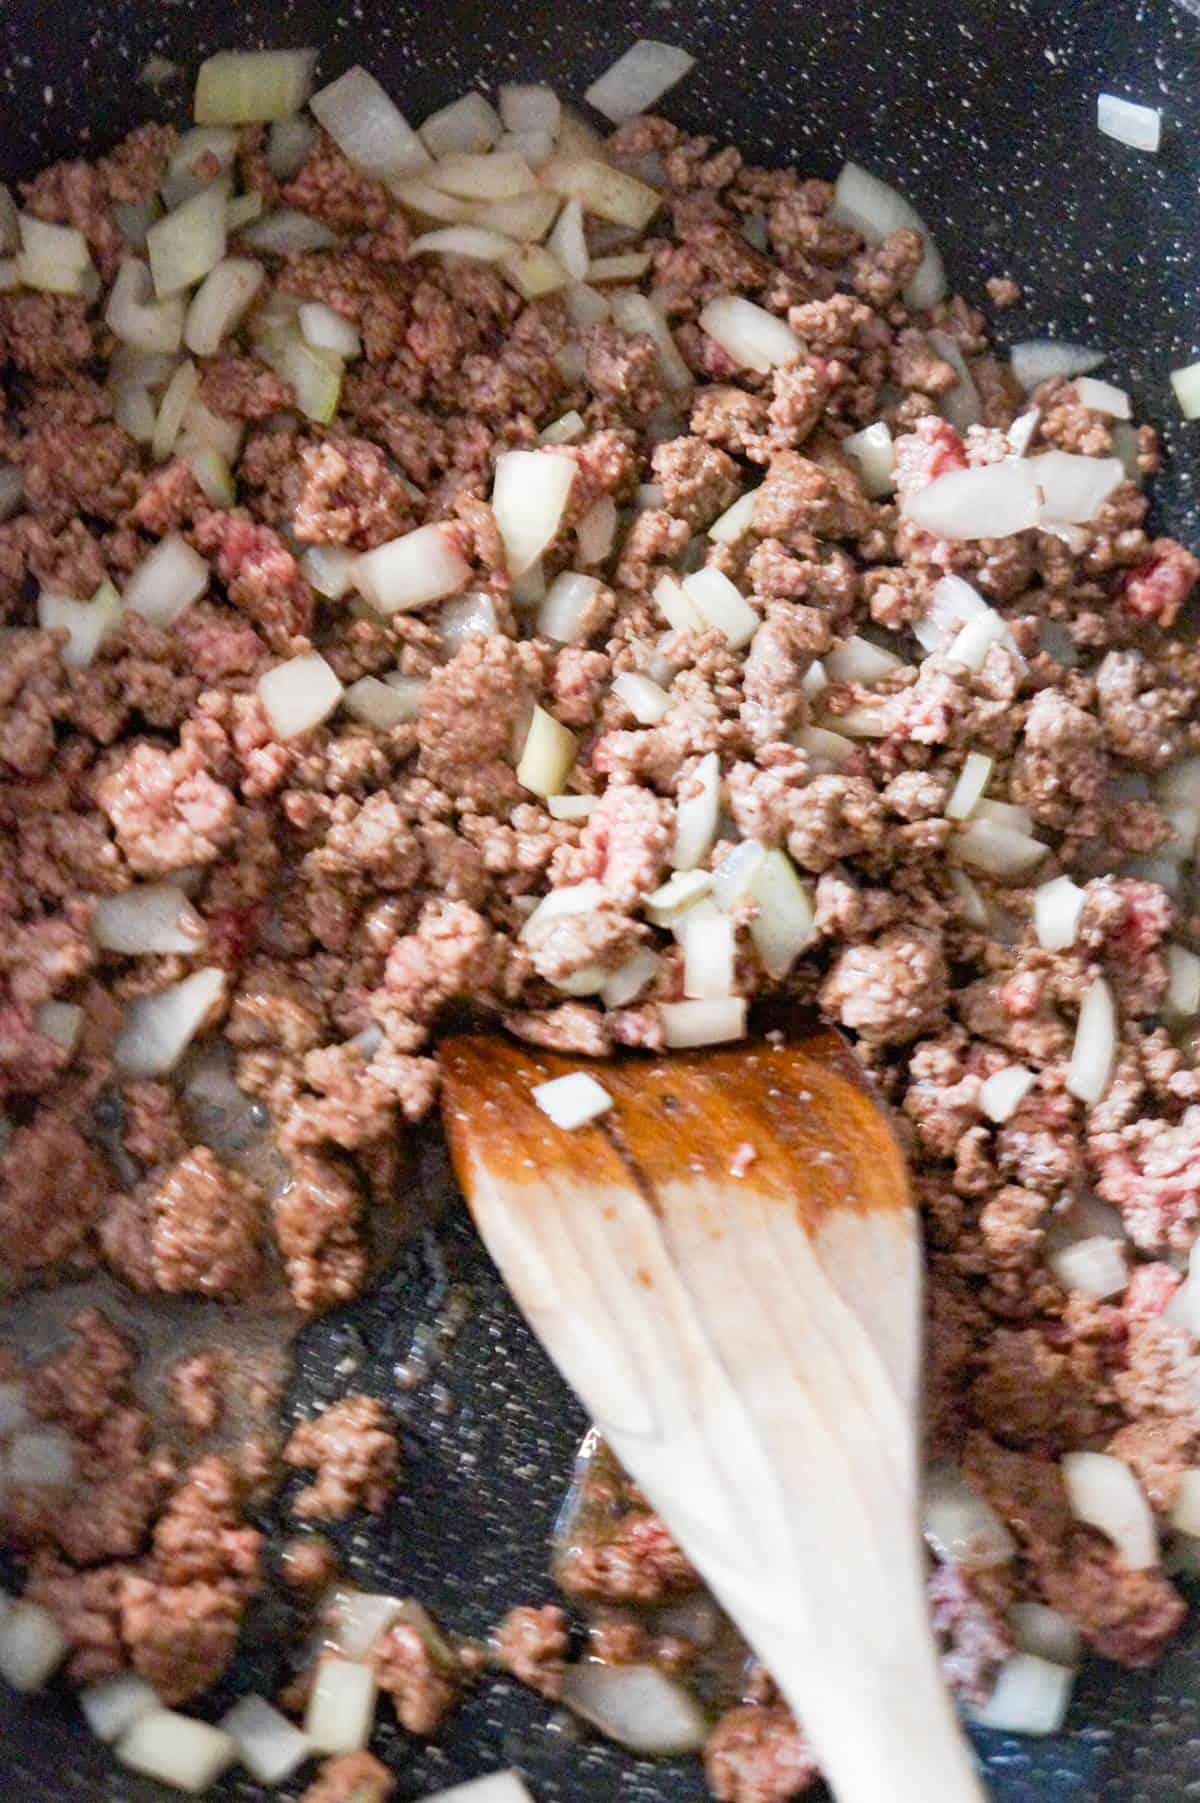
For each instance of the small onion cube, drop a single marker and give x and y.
(1007, 813)
(568, 243)
(468, 124)
(596, 531)
(858, 660)
(367, 127)
(721, 605)
(876, 210)
(288, 144)
(1021, 433)
(637, 1706)
(219, 303)
(43, 243)
(299, 694)
(167, 581)
(1094, 1053)
(637, 79)
(634, 312)
(410, 571)
(646, 701)
(138, 320)
(563, 613)
(962, 405)
(1075, 488)
(1047, 1632)
(176, 1749)
(341, 1706)
(602, 190)
(533, 271)
(746, 332)
(157, 1029)
(1103, 1491)
(1140, 127)
(1030, 1697)
(529, 496)
(676, 605)
(973, 780)
(326, 330)
(178, 396)
(498, 176)
(960, 1524)
(628, 266)
(785, 923)
(286, 233)
(250, 87)
(697, 813)
(1185, 1513)
(690, 1023)
(586, 306)
(709, 951)
(736, 521)
(1186, 383)
(378, 704)
(528, 106)
(1095, 1266)
(1041, 360)
(1056, 909)
(203, 429)
(734, 876)
(472, 615)
(825, 749)
(629, 980)
(270, 1747)
(60, 1021)
(32, 1646)
(683, 890)
(1103, 397)
(559, 904)
(114, 1704)
(874, 452)
(952, 603)
(86, 623)
(567, 429)
(147, 919)
(992, 500)
(548, 755)
(330, 569)
(473, 241)
(974, 907)
(187, 242)
(1001, 1094)
(497, 1787)
(1182, 1000)
(573, 1100)
(525, 217)
(571, 807)
(41, 1458)
(998, 850)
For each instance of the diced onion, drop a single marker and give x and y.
(367, 127)
(1001, 1094)
(533, 271)
(637, 79)
(1047, 1632)
(270, 1747)
(528, 106)
(952, 603)
(1104, 1492)
(721, 605)
(702, 1023)
(747, 333)
(1186, 383)
(341, 1706)
(1185, 1514)
(246, 87)
(697, 813)
(32, 1646)
(1094, 1053)
(473, 615)
(960, 1524)
(634, 312)
(1180, 782)
(991, 500)
(586, 307)
(858, 660)
(962, 405)
(499, 176)
(410, 571)
(1021, 433)
(213, 475)
(548, 755)
(973, 780)
(1031, 1696)
(158, 1029)
(736, 521)
(735, 874)
(148, 919)
(875, 454)
(53, 258)
(1183, 983)
(707, 938)
(876, 210)
(468, 124)
(827, 750)
(646, 701)
(567, 429)
(114, 1704)
(187, 242)
(975, 910)
(637, 1706)
(530, 586)
(600, 189)
(62, 1022)
(629, 266)
(136, 319)
(202, 158)
(683, 890)
(204, 430)
(529, 496)
(563, 612)
(571, 807)
(497, 1787)
(1103, 397)
(560, 904)
(178, 396)
(1096, 1266)
(326, 330)
(286, 233)
(998, 850)
(299, 694)
(288, 144)
(1056, 910)
(1140, 127)
(86, 623)
(176, 1749)
(1041, 360)
(629, 980)
(1075, 488)
(220, 302)
(473, 241)
(568, 243)
(525, 217)
(167, 581)
(379, 704)
(573, 1100)
(785, 923)
(677, 606)
(596, 531)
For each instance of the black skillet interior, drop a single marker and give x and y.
(983, 111)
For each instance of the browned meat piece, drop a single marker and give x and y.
(532, 1645)
(352, 1449)
(351, 1778)
(758, 1755)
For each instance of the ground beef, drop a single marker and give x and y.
(316, 1219)
(52, 1187)
(166, 811)
(350, 1778)
(532, 1645)
(422, 1685)
(196, 1391)
(758, 1755)
(197, 1231)
(891, 991)
(637, 1563)
(352, 1449)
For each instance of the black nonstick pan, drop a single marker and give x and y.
(983, 111)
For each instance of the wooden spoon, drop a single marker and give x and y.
(726, 1268)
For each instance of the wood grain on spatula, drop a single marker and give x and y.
(725, 1266)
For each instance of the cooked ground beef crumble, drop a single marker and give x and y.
(353, 882)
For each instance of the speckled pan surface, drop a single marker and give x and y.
(983, 111)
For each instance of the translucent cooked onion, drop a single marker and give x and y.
(572, 1101)
(998, 850)
(1182, 1002)
(1186, 383)
(1041, 360)
(1104, 1492)
(736, 521)
(473, 241)
(697, 813)
(973, 780)
(1001, 1094)
(249, 87)
(1075, 488)
(630, 266)
(560, 904)
(734, 875)
(568, 243)
(341, 1706)
(473, 615)
(32, 1646)
(637, 79)
(1056, 909)
(270, 1747)
(569, 428)
(600, 189)
(60, 1021)
(148, 919)
(630, 979)
(548, 755)
(138, 320)
(330, 569)
(53, 258)
(785, 923)
(529, 496)
(952, 603)
(299, 694)
(962, 405)
(876, 210)
(826, 749)
(687, 1024)
(178, 396)
(683, 890)
(634, 312)
(378, 704)
(242, 211)
(526, 217)
(187, 242)
(41, 1458)
(410, 571)
(991, 500)
(975, 909)
(1021, 433)
(167, 581)
(1140, 127)
(707, 938)
(158, 1028)
(286, 233)
(220, 302)
(114, 1704)
(586, 306)
(677, 606)
(858, 660)
(637, 1706)
(1047, 1632)
(1031, 1696)
(533, 271)
(497, 1787)
(961, 1525)
(529, 106)
(1007, 813)
(176, 1749)
(646, 701)
(499, 176)
(86, 623)
(213, 475)
(469, 124)
(563, 613)
(1185, 1513)
(747, 333)
(720, 604)
(368, 128)
(1103, 397)
(288, 144)
(874, 452)
(597, 530)
(1095, 1267)
(1094, 1053)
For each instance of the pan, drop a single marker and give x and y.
(983, 111)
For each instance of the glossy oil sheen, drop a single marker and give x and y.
(984, 112)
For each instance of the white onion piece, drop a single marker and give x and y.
(41, 1458)
(330, 569)
(677, 606)
(149, 918)
(1030, 1697)
(637, 1706)
(975, 910)
(138, 320)
(355, 1619)
(637, 79)
(187, 242)
(1096, 1266)
(270, 1747)
(600, 189)
(1186, 383)
(634, 312)
(998, 850)
(573, 1100)
(962, 405)
(1041, 360)
(529, 497)
(646, 701)
(874, 452)
(571, 807)
(473, 615)
(379, 704)
(697, 813)
(203, 430)
(468, 124)
(176, 1749)
(287, 233)
(567, 429)
(497, 1787)
(1182, 1001)
(1103, 397)
(14, 1407)
(1104, 1492)
(876, 210)
(86, 623)
(1047, 1632)
(249, 87)
(1180, 783)
(734, 875)
(114, 1704)
(498, 176)
(785, 923)
(178, 396)
(367, 126)
(973, 779)
(60, 1021)
(683, 890)
(53, 258)
(1140, 127)
(952, 603)
(533, 272)
(1021, 433)
(1185, 1514)
(410, 571)
(299, 694)
(707, 938)
(721, 605)
(1007, 813)
(167, 581)
(858, 660)
(341, 1706)
(202, 157)
(568, 243)
(1001, 1094)
(1075, 488)
(473, 241)
(560, 904)
(992, 500)
(547, 756)
(597, 530)
(827, 750)
(814, 681)
(564, 609)
(288, 144)
(32, 1646)
(1094, 1053)
(972, 643)
(960, 1524)
(687, 1024)
(528, 106)
(630, 979)
(241, 212)
(525, 217)
(1056, 909)
(157, 1029)
(752, 337)
(586, 306)
(736, 521)
(220, 302)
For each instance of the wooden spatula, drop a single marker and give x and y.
(726, 1268)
